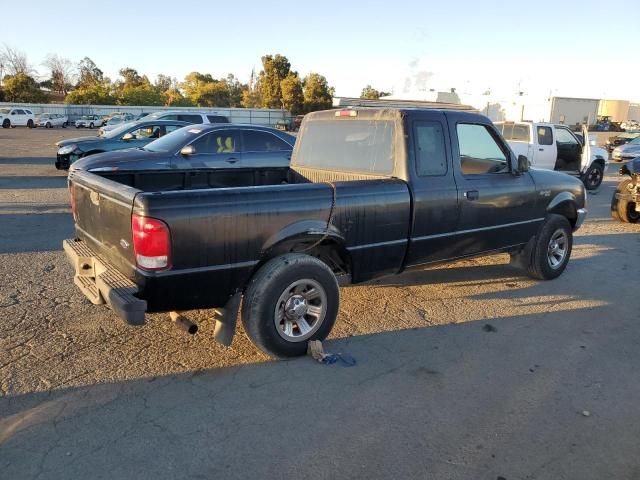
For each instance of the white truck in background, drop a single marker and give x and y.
(556, 147)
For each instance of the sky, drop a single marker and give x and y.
(541, 48)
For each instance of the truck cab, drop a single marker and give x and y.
(555, 147)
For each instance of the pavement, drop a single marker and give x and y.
(464, 371)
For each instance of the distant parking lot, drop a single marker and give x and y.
(474, 372)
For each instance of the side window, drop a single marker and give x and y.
(171, 128)
(431, 158)
(564, 136)
(149, 131)
(217, 119)
(28, 112)
(190, 118)
(479, 152)
(222, 141)
(14, 112)
(169, 117)
(20, 112)
(545, 136)
(255, 141)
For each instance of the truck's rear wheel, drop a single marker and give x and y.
(546, 257)
(593, 176)
(292, 299)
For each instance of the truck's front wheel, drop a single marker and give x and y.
(546, 256)
(292, 299)
(593, 176)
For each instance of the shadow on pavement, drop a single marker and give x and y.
(28, 161)
(37, 232)
(19, 182)
(455, 401)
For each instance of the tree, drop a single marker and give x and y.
(62, 73)
(131, 78)
(164, 83)
(90, 74)
(292, 94)
(140, 95)
(15, 61)
(93, 94)
(22, 88)
(251, 98)
(206, 91)
(371, 93)
(274, 70)
(318, 95)
(173, 97)
(236, 90)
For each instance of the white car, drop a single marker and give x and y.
(191, 117)
(89, 121)
(15, 117)
(556, 147)
(115, 122)
(50, 120)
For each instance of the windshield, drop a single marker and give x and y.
(635, 141)
(121, 130)
(114, 120)
(174, 141)
(44, 115)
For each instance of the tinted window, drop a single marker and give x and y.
(167, 117)
(348, 146)
(149, 131)
(172, 128)
(190, 118)
(28, 112)
(431, 158)
(479, 151)
(221, 141)
(20, 112)
(217, 119)
(255, 141)
(175, 140)
(564, 136)
(514, 132)
(545, 136)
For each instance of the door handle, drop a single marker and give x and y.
(231, 160)
(472, 194)
(541, 149)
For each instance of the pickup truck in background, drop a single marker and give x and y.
(555, 147)
(370, 192)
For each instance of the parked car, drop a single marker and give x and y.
(115, 122)
(627, 151)
(625, 204)
(556, 147)
(50, 120)
(16, 117)
(371, 192)
(216, 146)
(190, 117)
(89, 121)
(128, 136)
(621, 139)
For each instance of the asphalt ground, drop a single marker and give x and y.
(465, 371)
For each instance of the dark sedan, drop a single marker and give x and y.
(622, 139)
(217, 146)
(130, 135)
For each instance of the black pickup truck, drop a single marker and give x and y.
(370, 192)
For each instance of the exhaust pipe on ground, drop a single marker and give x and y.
(183, 322)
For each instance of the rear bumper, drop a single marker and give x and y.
(101, 283)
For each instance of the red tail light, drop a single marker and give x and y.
(72, 201)
(151, 243)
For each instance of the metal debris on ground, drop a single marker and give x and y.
(316, 350)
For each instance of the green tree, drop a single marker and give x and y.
(206, 91)
(90, 74)
(22, 88)
(371, 93)
(164, 83)
(236, 90)
(140, 95)
(93, 94)
(251, 98)
(131, 78)
(173, 97)
(274, 70)
(318, 95)
(292, 94)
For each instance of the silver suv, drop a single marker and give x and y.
(191, 117)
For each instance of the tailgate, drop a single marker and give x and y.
(103, 217)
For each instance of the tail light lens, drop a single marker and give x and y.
(151, 243)
(73, 202)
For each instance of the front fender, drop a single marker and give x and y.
(565, 204)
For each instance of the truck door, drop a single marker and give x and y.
(544, 147)
(433, 187)
(569, 150)
(585, 159)
(496, 206)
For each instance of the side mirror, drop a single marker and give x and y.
(188, 150)
(523, 163)
(127, 136)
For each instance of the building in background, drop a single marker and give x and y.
(616, 110)
(572, 111)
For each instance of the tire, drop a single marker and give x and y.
(48, 125)
(6, 123)
(30, 123)
(625, 211)
(91, 125)
(538, 258)
(593, 176)
(291, 282)
(65, 124)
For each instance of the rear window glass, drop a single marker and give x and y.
(514, 132)
(217, 119)
(348, 146)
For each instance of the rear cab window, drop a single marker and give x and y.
(350, 145)
(514, 132)
(431, 158)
